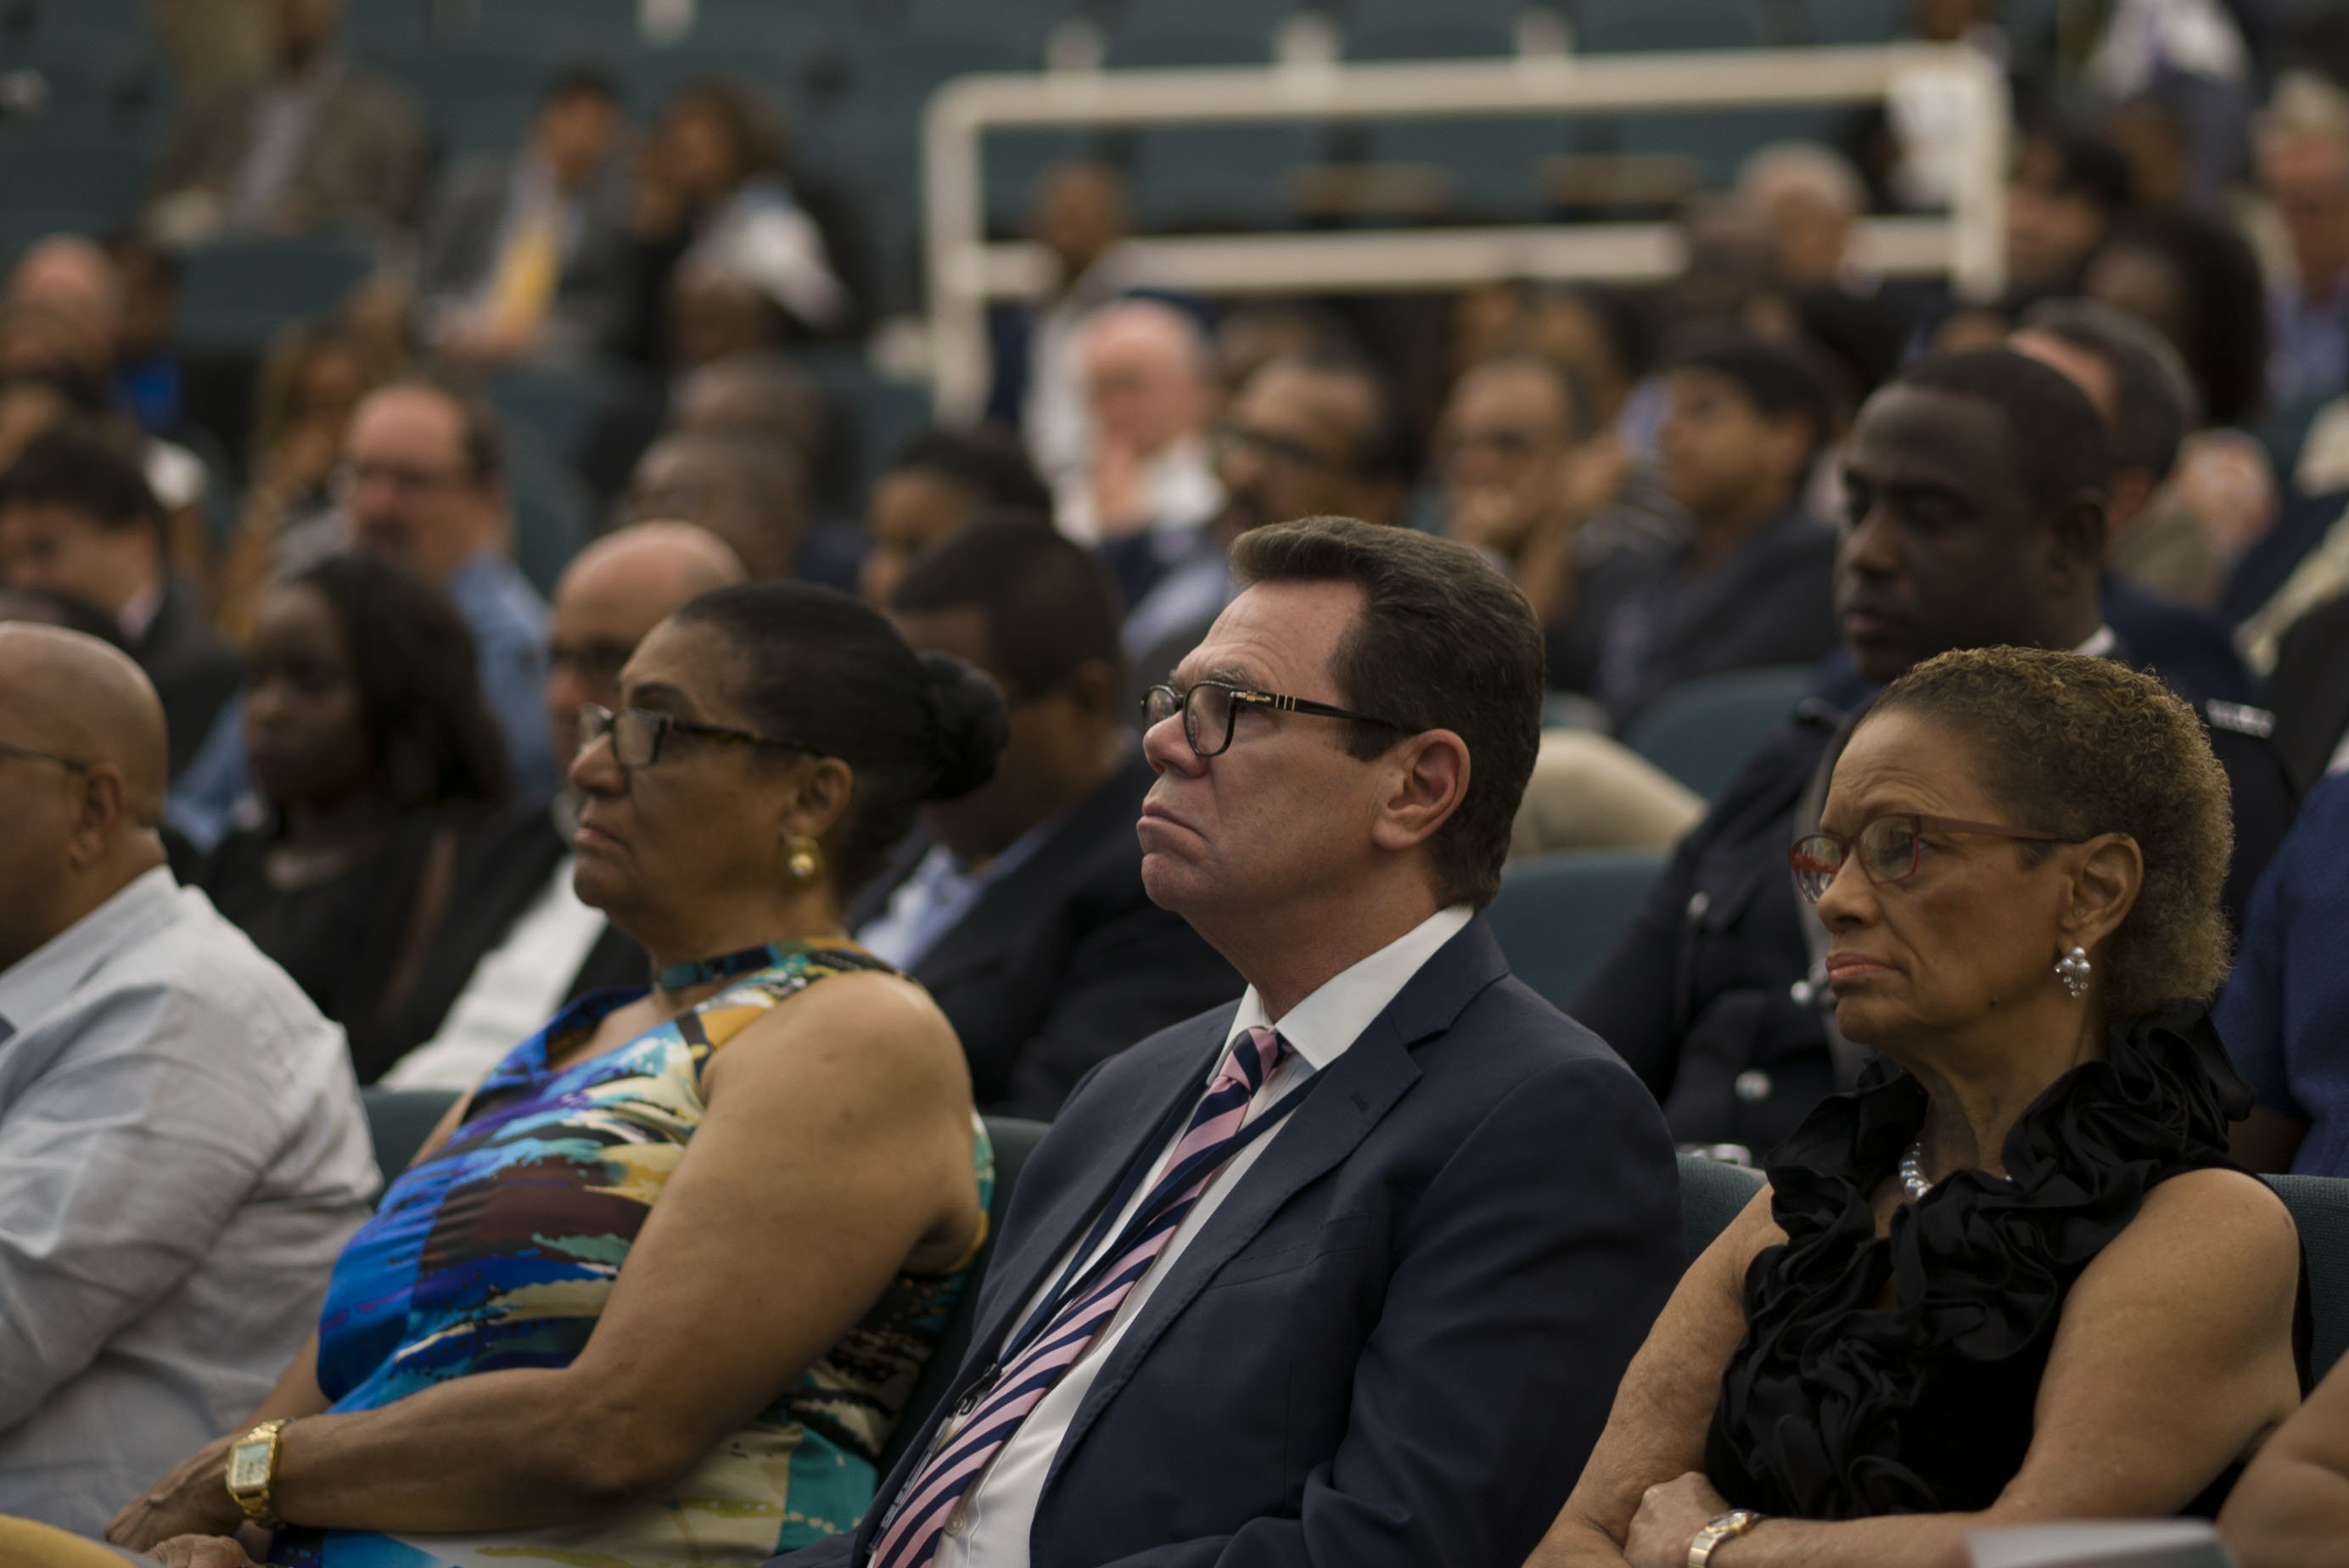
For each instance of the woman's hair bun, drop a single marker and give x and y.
(969, 726)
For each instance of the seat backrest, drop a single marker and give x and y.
(1014, 1139)
(1702, 730)
(1558, 915)
(238, 291)
(399, 1120)
(1712, 1192)
(2319, 1208)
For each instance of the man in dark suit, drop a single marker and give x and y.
(1346, 1273)
(516, 942)
(77, 518)
(1753, 584)
(1020, 906)
(527, 256)
(1977, 519)
(2309, 693)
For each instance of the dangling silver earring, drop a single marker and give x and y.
(2073, 970)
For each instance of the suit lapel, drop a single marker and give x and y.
(1357, 1090)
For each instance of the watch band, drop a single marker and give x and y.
(1723, 1527)
(253, 1473)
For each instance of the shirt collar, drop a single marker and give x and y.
(2100, 643)
(36, 985)
(139, 613)
(1321, 1027)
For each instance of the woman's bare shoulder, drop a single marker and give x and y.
(875, 1023)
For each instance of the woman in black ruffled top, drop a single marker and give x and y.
(2011, 1278)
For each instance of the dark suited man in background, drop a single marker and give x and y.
(516, 942)
(1346, 1273)
(1975, 489)
(77, 518)
(1020, 906)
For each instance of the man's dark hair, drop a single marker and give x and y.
(1051, 608)
(1778, 382)
(419, 696)
(989, 463)
(1621, 319)
(481, 435)
(2089, 167)
(2154, 405)
(1386, 449)
(582, 79)
(1445, 642)
(2055, 437)
(84, 466)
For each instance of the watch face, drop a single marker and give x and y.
(248, 1465)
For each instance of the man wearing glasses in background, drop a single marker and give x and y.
(1346, 1272)
(1319, 436)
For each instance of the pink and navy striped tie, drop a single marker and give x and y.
(909, 1537)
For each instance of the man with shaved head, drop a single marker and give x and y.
(517, 942)
(181, 1148)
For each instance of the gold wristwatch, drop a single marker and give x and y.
(253, 1473)
(1724, 1527)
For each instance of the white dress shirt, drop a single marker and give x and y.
(512, 993)
(990, 1526)
(181, 1157)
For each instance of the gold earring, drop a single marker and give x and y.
(803, 860)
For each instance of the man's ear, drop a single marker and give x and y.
(1429, 779)
(2079, 530)
(102, 817)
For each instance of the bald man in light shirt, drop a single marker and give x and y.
(181, 1148)
(517, 942)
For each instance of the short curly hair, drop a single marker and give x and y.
(2078, 747)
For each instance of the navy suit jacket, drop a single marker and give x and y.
(1065, 960)
(1398, 1337)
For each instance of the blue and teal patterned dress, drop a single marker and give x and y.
(500, 1250)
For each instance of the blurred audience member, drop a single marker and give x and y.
(2133, 377)
(1753, 584)
(2196, 281)
(751, 494)
(316, 145)
(1807, 198)
(2189, 58)
(311, 382)
(182, 1152)
(2066, 192)
(75, 280)
(1975, 489)
(146, 382)
(724, 1219)
(751, 398)
(2013, 1277)
(1604, 335)
(2285, 1012)
(1250, 336)
(1531, 477)
(1020, 906)
(1305, 438)
(76, 517)
(423, 479)
(526, 257)
(934, 485)
(47, 607)
(1150, 392)
(2138, 383)
(2304, 167)
(517, 944)
(366, 737)
(1077, 213)
(716, 195)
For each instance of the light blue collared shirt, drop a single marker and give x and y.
(934, 897)
(182, 1156)
(508, 620)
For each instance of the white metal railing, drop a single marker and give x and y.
(966, 272)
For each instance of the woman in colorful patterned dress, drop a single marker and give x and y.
(657, 1291)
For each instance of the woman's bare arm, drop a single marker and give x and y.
(837, 1145)
(1656, 1430)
